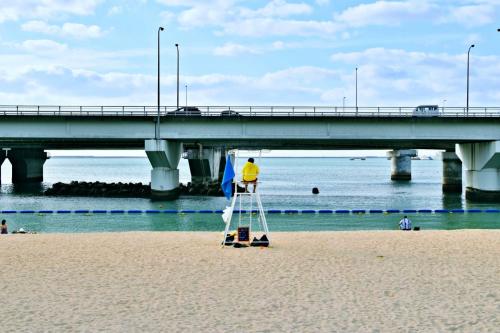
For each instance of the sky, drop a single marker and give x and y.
(257, 52)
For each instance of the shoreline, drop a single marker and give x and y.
(286, 233)
(345, 281)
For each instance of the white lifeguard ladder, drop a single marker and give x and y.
(250, 211)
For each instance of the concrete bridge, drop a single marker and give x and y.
(204, 134)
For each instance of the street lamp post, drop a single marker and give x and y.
(157, 129)
(356, 91)
(186, 86)
(177, 47)
(468, 59)
(444, 102)
(343, 104)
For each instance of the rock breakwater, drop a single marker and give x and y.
(126, 190)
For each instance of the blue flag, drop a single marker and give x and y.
(227, 180)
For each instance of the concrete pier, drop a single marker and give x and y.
(27, 164)
(482, 170)
(2, 158)
(205, 164)
(452, 172)
(401, 163)
(164, 157)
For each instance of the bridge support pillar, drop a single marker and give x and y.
(2, 158)
(482, 170)
(452, 172)
(164, 157)
(27, 165)
(401, 163)
(205, 164)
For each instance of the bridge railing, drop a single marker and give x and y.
(236, 111)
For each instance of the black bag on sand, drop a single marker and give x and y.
(239, 245)
(263, 241)
(229, 240)
(254, 242)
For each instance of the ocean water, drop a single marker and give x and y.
(286, 184)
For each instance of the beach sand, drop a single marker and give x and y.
(427, 281)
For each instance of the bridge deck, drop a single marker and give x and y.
(57, 127)
(247, 111)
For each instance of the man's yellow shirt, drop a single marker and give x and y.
(250, 171)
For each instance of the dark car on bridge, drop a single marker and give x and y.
(185, 111)
(230, 113)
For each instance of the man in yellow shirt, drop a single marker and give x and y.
(250, 172)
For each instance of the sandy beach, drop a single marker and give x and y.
(428, 281)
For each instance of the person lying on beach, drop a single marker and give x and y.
(22, 231)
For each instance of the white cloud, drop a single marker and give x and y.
(14, 10)
(392, 13)
(270, 20)
(345, 35)
(75, 30)
(41, 54)
(43, 46)
(278, 8)
(166, 16)
(278, 45)
(277, 27)
(232, 49)
(203, 15)
(45, 71)
(115, 10)
(386, 13)
(81, 30)
(305, 78)
(394, 76)
(63, 85)
(231, 17)
(41, 27)
(473, 15)
(179, 3)
(386, 77)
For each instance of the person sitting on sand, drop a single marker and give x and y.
(4, 227)
(405, 224)
(250, 172)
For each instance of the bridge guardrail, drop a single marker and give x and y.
(236, 111)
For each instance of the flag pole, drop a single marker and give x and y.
(236, 152)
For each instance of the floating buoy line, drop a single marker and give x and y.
(269, 211)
